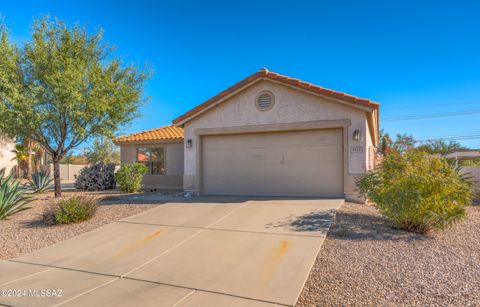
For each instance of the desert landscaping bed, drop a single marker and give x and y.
(25, 232)
(364, 261)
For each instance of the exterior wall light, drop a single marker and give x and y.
(356, 135)
(189, 143)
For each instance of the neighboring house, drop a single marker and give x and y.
(267, 135)
(6, 155)
(161, 150)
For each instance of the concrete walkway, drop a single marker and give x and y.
(220, 252)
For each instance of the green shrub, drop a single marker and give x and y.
(97, 177)
(71, 209)
(129, 177)
(417, 192)
(40, 181)
(12, 196)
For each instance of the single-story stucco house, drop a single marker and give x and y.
(268, 135)
(7, 160)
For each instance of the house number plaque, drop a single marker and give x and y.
(357, 149)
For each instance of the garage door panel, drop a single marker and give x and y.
(261, 188)
(329, 171)
(281, 155)
(267, 140)
(298, 163)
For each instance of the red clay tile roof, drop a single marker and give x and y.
(170, 132)
(265, 74)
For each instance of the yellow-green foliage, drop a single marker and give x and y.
(64, 86)
(71, 209)
(418, 192)
(129, 177)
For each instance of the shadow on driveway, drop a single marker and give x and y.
(311, 222)
(369, 227)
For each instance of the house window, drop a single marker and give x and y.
(153, 159)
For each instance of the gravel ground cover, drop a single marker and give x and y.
(363, 261)
(25, 232)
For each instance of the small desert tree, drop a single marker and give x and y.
(440, 146)
(64, 87)
(402, 143)
(102, 150)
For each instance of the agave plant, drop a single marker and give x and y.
(40, 181)
(12, 196)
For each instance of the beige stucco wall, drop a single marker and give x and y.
(173, 178)
(68, 172)
(6, 155)
(291, 106)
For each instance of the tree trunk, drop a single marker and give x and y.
(29, 166)
(28, 163)
(56, 177)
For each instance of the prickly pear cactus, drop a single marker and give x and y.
(97, 177)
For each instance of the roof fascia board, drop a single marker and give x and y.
(372, 127)
(149, 142)
(363, 108)
(181, 123)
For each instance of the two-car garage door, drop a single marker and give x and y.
(294, 163)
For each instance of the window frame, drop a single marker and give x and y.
(150, 148)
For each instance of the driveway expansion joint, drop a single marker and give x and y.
(184, 241)
(88, 291)
(184, 298)
(230, 230)
(206, 290)
(228, 225)
(118, 277)
(60, 268)
(24, 277)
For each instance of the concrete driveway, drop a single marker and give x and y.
(214, 252)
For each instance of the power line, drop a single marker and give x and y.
(450, 139)
(456, 137)
(469, 136)
(474, 134)
(429, 106)
(430, 116)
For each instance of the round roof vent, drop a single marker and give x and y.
(265, 101)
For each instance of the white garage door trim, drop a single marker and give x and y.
(286, 163)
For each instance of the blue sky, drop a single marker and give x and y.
(414, 57)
